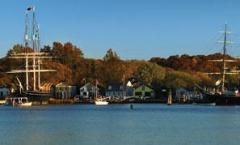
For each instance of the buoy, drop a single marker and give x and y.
(131, 106)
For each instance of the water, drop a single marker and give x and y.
(146, 124)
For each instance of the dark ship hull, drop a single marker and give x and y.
(37, 98)
(219, 99)
(222, 99)
(225, 100)
(207, 98)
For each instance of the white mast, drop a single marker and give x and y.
(26, 39)
(224, 54)
(224, 60)
(34, 47)
(34, 57)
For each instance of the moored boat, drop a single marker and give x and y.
(223, 96)
(101, 102)
(18, 102)
(2, 102)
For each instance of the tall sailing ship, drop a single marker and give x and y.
(223, 97)
(33, 60)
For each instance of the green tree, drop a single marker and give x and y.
(149, 72)
(111, 55)
(47, 49)
(113, 68)
(176, 79)
(18, 48)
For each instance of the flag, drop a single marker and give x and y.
(31, 8)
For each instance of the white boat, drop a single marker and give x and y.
(101, 102)
(2, 102)
(18, 102)
(21, 102)
(27, 104)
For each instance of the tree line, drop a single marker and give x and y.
(73, 68)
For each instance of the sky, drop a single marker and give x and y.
(135, 29)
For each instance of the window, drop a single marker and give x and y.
(138, 93)
(147, 94)
(121, 87)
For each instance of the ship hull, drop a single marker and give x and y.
(37, 98)
(227, 100)
(222, 99)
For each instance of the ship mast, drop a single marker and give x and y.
(33, 59)
(224, 60)
(224, 55)
(26, 39)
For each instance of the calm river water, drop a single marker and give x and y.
(146, 124)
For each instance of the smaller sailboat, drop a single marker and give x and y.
(169, 101)
(99, 100)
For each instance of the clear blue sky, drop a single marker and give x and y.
(137, 29)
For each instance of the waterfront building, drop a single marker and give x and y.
(88, 91)
(115, 90)
(119, 90)
(143, 91)
(65, 91)
(129, 89)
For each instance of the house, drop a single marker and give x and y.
(4, 91)
(143, 91)
(119, 90)
(115, 90)
(88, 91)
(129, 89)
(65, 91)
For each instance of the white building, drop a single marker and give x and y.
(88, 91)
